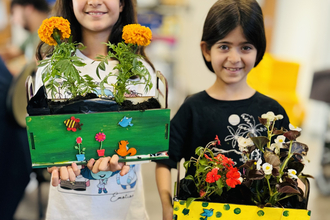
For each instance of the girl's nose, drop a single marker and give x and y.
(234, 56)
(94, 2)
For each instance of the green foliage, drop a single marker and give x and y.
(129, 65)
(62, 65)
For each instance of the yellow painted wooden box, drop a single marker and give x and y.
(199, 210)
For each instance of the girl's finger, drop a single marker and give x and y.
(55, 178)
(104, 165)
(114, 165)
(91, 163)
(51, 169)
(64, 175)
(75, 169)
(124, 170)
(95, 168)
(72, 176)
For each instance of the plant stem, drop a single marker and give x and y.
(286, 160)
(270, 190)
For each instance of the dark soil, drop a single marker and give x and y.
(40, 105)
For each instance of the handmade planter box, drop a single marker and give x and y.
(134, 135)
(201, 210)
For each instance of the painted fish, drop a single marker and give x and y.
(125, 122)
(72, 124)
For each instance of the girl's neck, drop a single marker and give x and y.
(222, 91)
(94, 43)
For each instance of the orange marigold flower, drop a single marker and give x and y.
(212, 176)
(48, 27)
(137, 34)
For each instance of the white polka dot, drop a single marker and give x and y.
(234, 119)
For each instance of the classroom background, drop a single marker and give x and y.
(295, 71)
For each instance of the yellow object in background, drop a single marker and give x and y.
(278, 80)
(224, 211)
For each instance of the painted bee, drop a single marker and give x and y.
(72, 124)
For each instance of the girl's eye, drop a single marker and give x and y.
(223, 47)
(246, 48)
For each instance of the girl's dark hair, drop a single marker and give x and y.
(64, 8)
(225, 15)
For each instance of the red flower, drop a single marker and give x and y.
(202, 193)
(79, 140)
(207, 157)
(232, 177)
(217, 139)
(212, 176)
(233, 182)
(100, 137)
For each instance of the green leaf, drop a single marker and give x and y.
(199, 150)
(260, 142)
(189, 201)
(189, 177)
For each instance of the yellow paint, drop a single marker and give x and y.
(222, 211)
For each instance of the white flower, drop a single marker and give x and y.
(243, 143)
(276, 147)
(267, 168)
(270, 116)
(279, 117)
(293, 128)
(280, 139)
(259, 163)
(292, 174)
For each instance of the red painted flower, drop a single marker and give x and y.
(100, 137)
(212, 176)
(79, 140)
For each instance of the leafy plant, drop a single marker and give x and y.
(60, 73)
(129, 65)
(78, 147)
(275, 176)
(213, 172)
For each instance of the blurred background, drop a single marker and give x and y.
(295, 71)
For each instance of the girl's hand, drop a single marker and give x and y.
(108, 164)
(63, 173)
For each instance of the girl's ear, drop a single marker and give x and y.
(206, 52)
(121, 5)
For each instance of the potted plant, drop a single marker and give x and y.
(150, 132)
(270, 187)
(100, 137)
(81, 151)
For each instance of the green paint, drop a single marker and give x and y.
(185, 211)
(237, 211)
(51, 144)
(286, 213)
(218, 214)
(205, 204)
(260, 213)
(175, 217)
(182, 202)
(176, 208)
(226, 207)
(309, 213)
(201, 218)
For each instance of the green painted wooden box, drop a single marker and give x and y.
(135, 135)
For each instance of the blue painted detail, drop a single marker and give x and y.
(125, 122)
